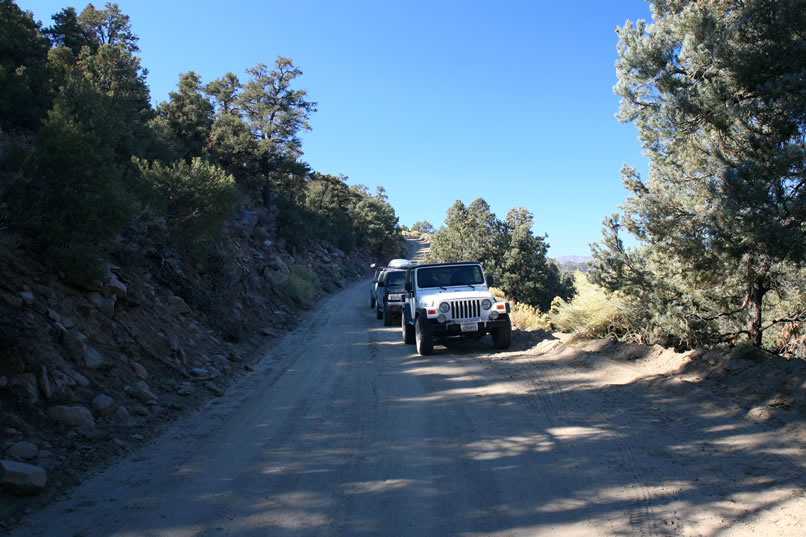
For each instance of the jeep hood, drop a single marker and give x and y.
(433, 298)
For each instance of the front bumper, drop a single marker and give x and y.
(394, 307)
(454, 328)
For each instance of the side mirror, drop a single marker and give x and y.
(490, 280)
(409, 287)
(381, 283)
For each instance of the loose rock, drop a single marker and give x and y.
(25, 451)
(94, 359)
(22, 479)
(74, 416)
(104, 405)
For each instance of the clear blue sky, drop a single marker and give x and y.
(436, 100)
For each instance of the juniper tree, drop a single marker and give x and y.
(189, 116)
(423, 226)
(717, 91)
(527, 275)
(508, 249)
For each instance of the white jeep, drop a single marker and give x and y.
(452, 299)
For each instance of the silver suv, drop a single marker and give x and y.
(452, 299)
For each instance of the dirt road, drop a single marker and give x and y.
(344, 431)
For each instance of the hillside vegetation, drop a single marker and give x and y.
(147, 253)
(716, 91)
(85, 158)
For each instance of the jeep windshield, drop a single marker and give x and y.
(450, 275)
(396, 279)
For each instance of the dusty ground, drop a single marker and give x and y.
(343, 430)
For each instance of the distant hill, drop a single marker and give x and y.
(573, 263)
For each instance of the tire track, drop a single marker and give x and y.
(562, 406)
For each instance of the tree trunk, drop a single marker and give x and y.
(755, 298)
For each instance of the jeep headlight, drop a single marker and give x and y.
(493, 315)
(444, 307)
(486, 304)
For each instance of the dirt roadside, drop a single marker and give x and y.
(341, 429)
(714, 445)
(344, 430)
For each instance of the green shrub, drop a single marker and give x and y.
(196, 198)
(66, 196)
(303, 285)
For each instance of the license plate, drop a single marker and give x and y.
(469, 327)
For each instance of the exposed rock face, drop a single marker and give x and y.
(22, 479)
(81, 367)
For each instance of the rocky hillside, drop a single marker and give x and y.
(87, 375)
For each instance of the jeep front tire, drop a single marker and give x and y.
(502, 336)
(407, 331)
(423, 336)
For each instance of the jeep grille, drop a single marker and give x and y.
(465, 309)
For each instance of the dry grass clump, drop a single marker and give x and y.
(592, 313)
(523, 316)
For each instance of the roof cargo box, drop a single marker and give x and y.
(399, 263)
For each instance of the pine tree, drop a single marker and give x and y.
(718, 94)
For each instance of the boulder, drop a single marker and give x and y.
(25, 451)
(104, 405)
(22, 479)
(76, 344)
(44, 383)
(139, 370)
(116, 287)
(78, 377)
(278, 264)
(14, 301)
(178, 305)
(25, 386)
(249, 218)
(45, 291)
(104, 305)
(221, 361)
(141, 391)
(73, 416)
(94, 359)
